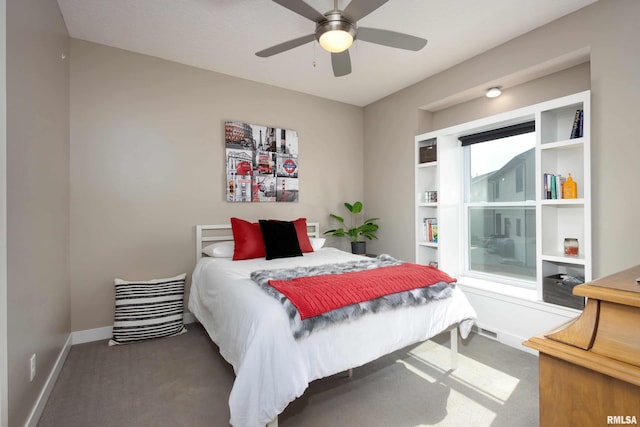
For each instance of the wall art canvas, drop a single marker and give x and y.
(261, 163)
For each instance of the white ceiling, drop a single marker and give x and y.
(223, 36)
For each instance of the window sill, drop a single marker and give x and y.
(499, 288)
(512, 294)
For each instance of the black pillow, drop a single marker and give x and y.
(280, 239)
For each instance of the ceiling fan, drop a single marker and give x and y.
(337, 29)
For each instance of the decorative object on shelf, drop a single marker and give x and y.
(431, 196)
(570, 188)
(571, 246)
(367, 229)
(261, 163)
(558, 289)
(429, 152)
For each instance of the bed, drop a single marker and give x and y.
(252, 329)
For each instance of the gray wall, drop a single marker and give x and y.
(608, 33)
(38, 313)
(147, 165)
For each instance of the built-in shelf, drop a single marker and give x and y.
(558, 219)
(566, 144)
(565, 259)
(426, 180)
(428, 244)
(428, 165)
(562, 202)
(556, 153)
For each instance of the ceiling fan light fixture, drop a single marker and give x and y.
(336, 34)
(336, 41)
(337, 29)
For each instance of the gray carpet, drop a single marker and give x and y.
(183, 381)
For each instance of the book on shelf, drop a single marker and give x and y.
(576, 129)
(580, 126)
(552, 185)
(430, 230)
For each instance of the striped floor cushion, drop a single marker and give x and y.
(150, 309)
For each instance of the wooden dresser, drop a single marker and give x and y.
(590, 366)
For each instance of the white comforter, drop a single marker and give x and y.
(272, 368)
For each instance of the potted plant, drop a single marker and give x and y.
(366, 229)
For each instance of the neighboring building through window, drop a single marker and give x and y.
(499, 193)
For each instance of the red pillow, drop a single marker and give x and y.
(303, 237)
(247, 240)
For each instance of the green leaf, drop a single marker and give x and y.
(339, 232)
(339, 218)
(357, 207)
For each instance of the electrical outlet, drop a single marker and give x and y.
(32, 365)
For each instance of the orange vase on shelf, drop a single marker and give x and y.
(570, 189)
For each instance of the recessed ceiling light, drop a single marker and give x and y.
(493, 92)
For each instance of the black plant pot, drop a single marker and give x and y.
(359, 248)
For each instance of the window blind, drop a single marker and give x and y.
(503, 132)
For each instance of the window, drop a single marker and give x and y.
(500, 191)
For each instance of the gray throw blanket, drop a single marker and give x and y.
(302, 328)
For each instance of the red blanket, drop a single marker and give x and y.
(314, 295)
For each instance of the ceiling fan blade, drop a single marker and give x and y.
(358, 9)
(301, 8)
(391, 38)
(341, 63)
(279, 48)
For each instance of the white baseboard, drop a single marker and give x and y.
(515, 341)
(41, 402)
(106, 332)
(90, 335)
(503, 337)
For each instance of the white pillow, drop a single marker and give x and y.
(219, 250)
(317, 243)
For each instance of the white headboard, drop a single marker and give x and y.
(206, 234)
